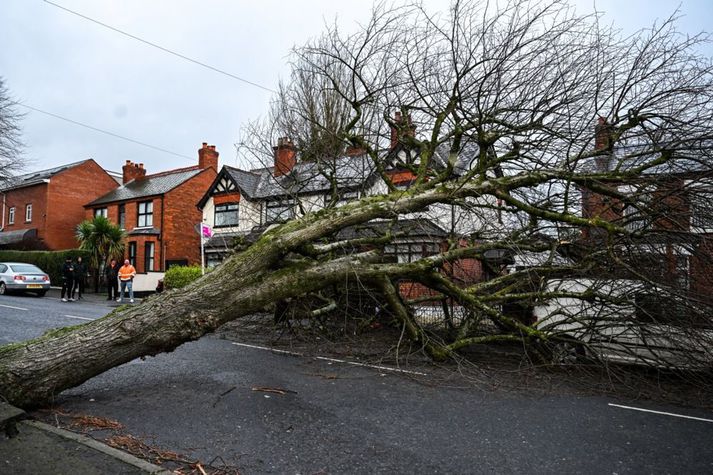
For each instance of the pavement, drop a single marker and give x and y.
(32, 447)
(101, 297)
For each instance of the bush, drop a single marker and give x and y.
(49, 261)
(180, 276)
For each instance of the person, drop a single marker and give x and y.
(80, 273)
(126, 279)
(67, 279)
(112, 279)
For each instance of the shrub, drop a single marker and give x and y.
(49, 261)
(180, 276)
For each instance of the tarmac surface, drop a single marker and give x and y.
(30, 447)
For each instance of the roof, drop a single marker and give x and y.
(305, 177)
(12, 237)
(35, 178)
(149, 185)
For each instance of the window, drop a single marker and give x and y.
(149, 256)
(100, 212)
(122, 216)
(411, 252)
(132, 253)
(701, 209)
(11, 216)
(276, 211)
(145, 215)
(342, 199)
(226, 215)
(28, 213)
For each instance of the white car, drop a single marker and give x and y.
(22, 277)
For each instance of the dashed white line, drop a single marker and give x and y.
(78, 318)
(641, 409)
(333, 360)
(14, 308)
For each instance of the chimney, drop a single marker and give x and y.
(208, 157)
(602, 142)
(132, 171)
(401, 129)
(354, 151)
(285, 156)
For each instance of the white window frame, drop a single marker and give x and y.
(103, 212)
(147, 214)
(11, 215)
(707, 187)
(28, 213)
(225, 211)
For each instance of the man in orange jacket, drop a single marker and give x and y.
(126, 278)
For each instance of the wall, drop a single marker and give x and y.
(179, 238)
(68, 192)
(37, 196)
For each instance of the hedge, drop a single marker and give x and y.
(180, 276)
(49, 261)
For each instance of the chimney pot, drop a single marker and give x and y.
(208, 157)
(132, 171)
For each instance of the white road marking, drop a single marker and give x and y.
(78, 318)
(661, 413)
(332, 360)
(14, 308)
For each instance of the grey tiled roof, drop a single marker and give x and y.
(305, 177)
(29, 179)
(150, 185)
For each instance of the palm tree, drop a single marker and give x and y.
(103, 239)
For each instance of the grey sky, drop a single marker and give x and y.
(55, 61)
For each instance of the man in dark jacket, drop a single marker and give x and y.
(80, 274)
(67, 279)
(112, 284)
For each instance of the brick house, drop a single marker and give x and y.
(673, 203)
(41, 210)
(158, 213)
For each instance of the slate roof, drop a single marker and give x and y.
(34, 178)
(149, 185)
(305, 178)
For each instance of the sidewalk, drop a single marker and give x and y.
(100, 298)
(30, 447)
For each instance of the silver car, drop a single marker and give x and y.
(18, 276)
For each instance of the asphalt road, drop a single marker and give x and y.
(343, 418)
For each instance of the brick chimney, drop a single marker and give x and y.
(208, 157)
(132, 171)
(401, 130)
(285, 156)
(602, 142)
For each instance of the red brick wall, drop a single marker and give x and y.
(179, 239)
(19, 198)
(226, 198)
(141, 241)
(68, 192)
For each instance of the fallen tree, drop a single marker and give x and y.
(498, 107)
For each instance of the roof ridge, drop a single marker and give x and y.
(171, 172)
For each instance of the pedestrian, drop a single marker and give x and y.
(80, 274)
(67, 279)
(112, 279)
(126, 279)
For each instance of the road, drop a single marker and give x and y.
(344, 418)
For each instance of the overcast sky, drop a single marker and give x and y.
(60, 63)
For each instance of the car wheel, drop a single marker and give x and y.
(567, 353)
(3, 289)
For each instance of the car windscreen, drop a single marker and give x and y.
(25, 269)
